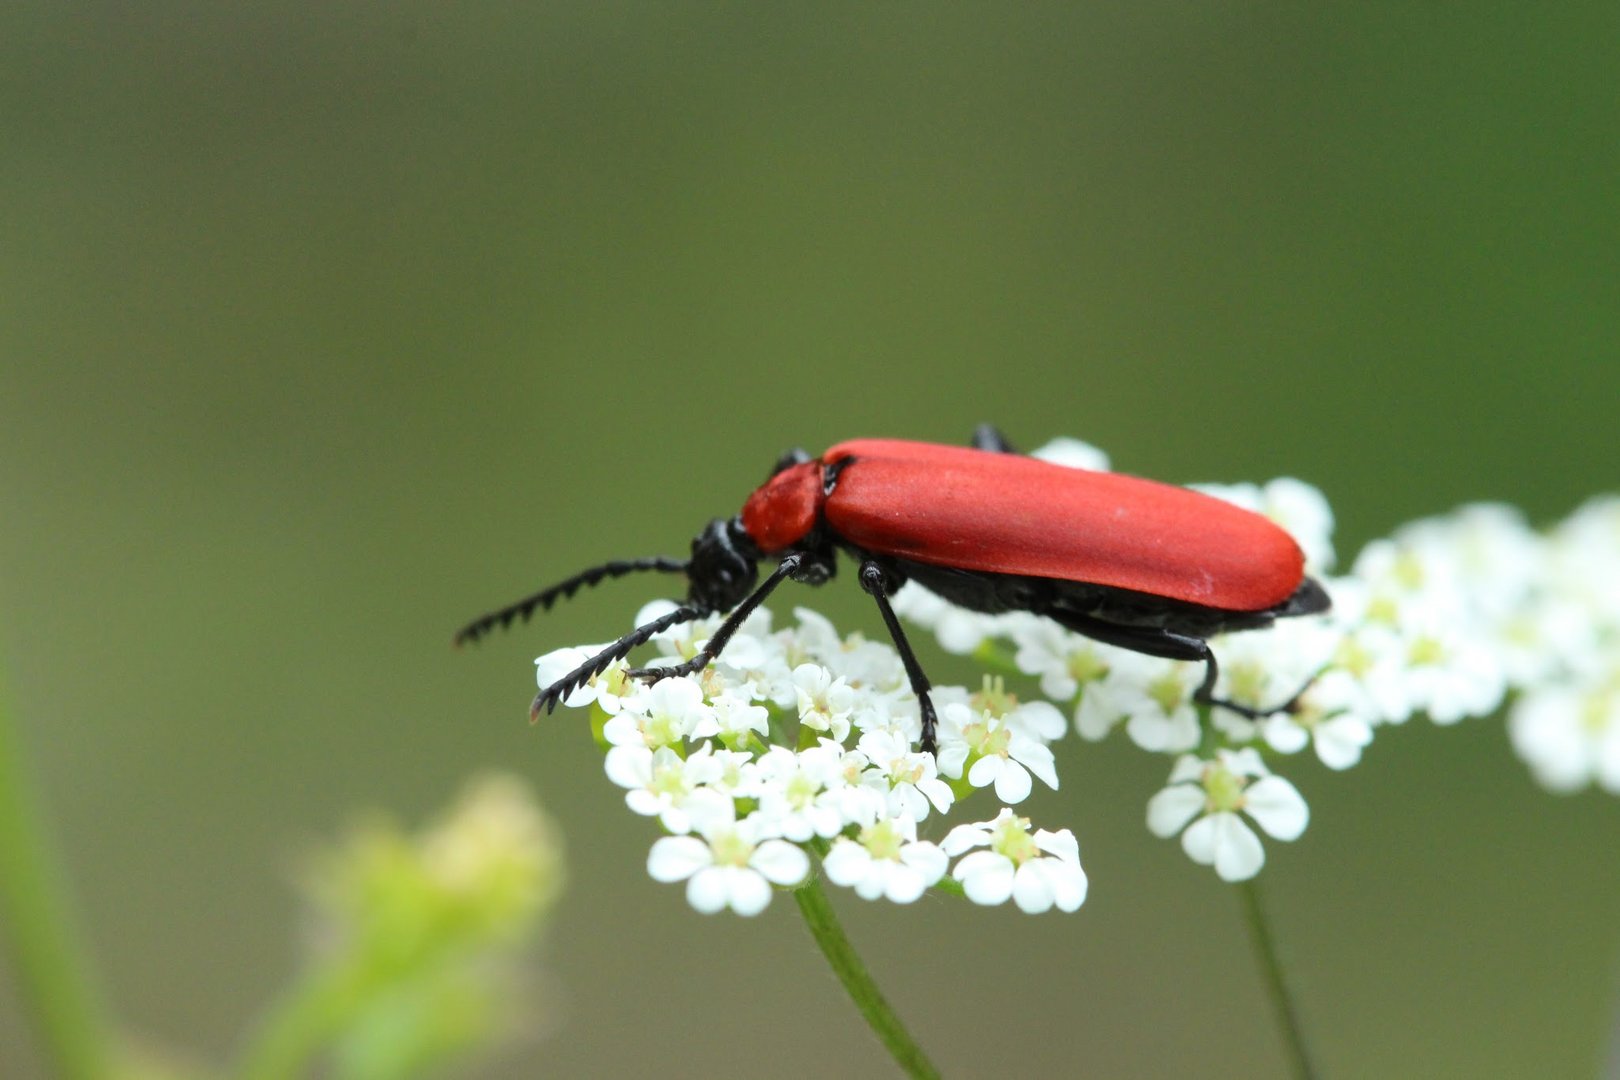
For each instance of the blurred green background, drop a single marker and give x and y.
(324, 327)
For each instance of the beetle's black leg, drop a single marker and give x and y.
(989, 437)
(875, 580)
(546, 597)
(548, 698)
(738, 616)
(1169, 645)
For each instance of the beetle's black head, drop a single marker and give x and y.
(724, 566)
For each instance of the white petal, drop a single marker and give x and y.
(962, 838)
(1285, 736)
(1013, 783)
(1169, 811)
(926, 860)
(1031, 891)
(629, 766)
(748, 892)
(902, 884)
(952, 756)
(986, 770)
(1069, 884)
(1199, 839)
(986, 877)
(1061, 843)
(847, 863)
(676, 857)
(710, 810)
(1277, 807)
(1339, 741)
(1036, 758)
(556, 664)
(645, 803)
(1238, 854)
(709, 889)
(781, 862)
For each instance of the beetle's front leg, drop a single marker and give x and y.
(717, 644)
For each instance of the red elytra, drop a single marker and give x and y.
(1008, 514)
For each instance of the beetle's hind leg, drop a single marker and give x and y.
(880, 583)
(989, 437)
(1170, 645)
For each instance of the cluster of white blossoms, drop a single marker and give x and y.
(798, 741)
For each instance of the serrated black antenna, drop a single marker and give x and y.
(548, 698)
(524, 608)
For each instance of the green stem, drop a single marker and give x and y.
(36, 925)
(295, 1027)
(1271, 972)
(846, 963)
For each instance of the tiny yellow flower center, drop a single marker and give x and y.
(730, 849)
(1167, 691)
(883, 840)
(1353, 657)
(987, 738)
(1011, 838)
(1601, 709)
(1384, 610)
(1426, 650)
(1223, 789)
(1247, 682)
(902, 773)
(1408, 570)
(993, 698)
(614, 681)
(1086, 666)
(669, 780)
(801, 791)
(661, 730)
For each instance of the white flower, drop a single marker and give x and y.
(1004, 756)
(1064, 662)
(1037, 872)
(824, 702)
(911, 779)
(731, 719)
(794, 801)
(732, 866)
(1449, 672)
(661, 715)
(1214, 792)
(887, 860)
(660, 782)
(1154, 697)
(1073, 454)
(1330, 715)
(1570, 734)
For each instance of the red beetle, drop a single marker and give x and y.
(1145, 566)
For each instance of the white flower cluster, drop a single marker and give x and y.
(799, 741)
(1446, 617)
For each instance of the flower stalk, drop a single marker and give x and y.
(36, 925)
(1271, 973)
(851, 971)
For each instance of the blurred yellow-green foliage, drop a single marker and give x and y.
(324, 327)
